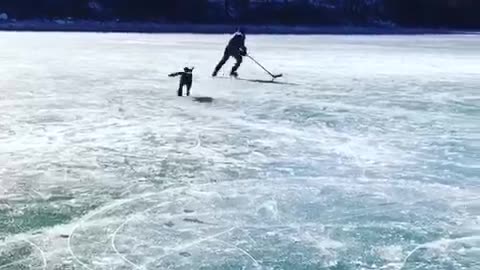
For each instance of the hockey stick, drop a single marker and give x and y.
(274, 76)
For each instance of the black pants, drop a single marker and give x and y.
(180, 88)
(227, 54)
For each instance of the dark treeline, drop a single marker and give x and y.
(420, 13)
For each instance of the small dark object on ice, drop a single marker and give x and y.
(194, 220)
(185, 254)
(203, 99)
(186, 79)
(188, 211)
(169, 224)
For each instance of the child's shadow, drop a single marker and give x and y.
(203, 99)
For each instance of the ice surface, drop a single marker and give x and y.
(364, 156)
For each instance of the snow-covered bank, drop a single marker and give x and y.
(153, 27)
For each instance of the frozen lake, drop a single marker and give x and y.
(366, 155)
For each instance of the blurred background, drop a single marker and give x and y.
(388, 13)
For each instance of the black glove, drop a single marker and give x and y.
(243, 52)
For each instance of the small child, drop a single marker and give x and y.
(185, 80)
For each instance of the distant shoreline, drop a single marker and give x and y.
(153, 27)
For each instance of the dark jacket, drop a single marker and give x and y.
(237, 44)
(186, 75)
